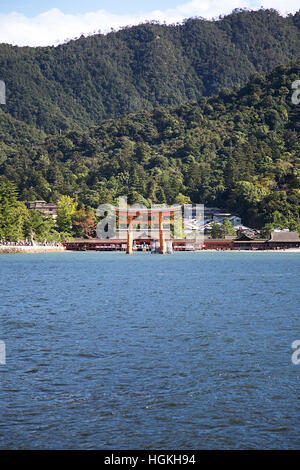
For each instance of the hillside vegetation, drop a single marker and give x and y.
(80, 83)
(239, 150)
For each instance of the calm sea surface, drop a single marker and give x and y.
(186, 351)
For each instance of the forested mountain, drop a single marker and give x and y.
(80, 83)
(239, 150)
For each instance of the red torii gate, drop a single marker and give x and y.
(152, 216)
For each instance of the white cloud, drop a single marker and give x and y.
(54, 26)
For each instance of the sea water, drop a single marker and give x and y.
(184, 351)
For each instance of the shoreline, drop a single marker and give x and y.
(30, 249)
(284, 250)
(59, 249)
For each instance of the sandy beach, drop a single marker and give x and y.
(30, 249)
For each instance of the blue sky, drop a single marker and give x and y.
(51, 22)
(34, 7)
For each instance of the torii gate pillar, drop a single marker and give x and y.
(129, 236)
(162, 245)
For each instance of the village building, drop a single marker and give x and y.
(46, 208)
(210, 211)
(234, 219)
(283, 240)
(246, 242)
(142, 229)
(218, 244)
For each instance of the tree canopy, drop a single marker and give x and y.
(238, 150)
(78, 84)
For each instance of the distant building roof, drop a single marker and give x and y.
(245, 237)
(39, 201)
(225, 214)
(284, 237)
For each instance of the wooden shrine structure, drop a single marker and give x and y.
(146, 219)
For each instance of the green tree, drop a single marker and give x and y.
(182, 200)
(66, 209)
(13, 213)
(39, 226)
(227, 228)
(215, 230)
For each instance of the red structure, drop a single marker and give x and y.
(141, 244)
(283, 240)
(96, 245)
(157, 216)
(218, 244)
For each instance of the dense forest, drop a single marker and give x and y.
(238, 150)
(78, 84)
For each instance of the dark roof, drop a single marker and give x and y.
(244, 237)
(284, 237)
(257, 240)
